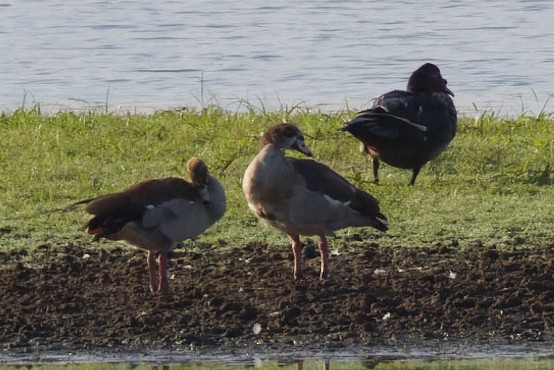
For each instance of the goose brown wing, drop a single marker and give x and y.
(321, 179)
(112, 211)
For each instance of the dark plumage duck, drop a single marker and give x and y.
(304, 197)
(156, 214)
(407, 129)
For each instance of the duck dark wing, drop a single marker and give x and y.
(399, 103)
(321, 179)
(112, 211)
(379, 125)
(426, 109)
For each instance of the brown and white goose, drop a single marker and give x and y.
(304, 197)
(156, 214)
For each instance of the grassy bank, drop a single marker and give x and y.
(493, 185)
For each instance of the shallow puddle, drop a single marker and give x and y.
(535, 356)
(361, 363)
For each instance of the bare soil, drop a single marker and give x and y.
(84, 298)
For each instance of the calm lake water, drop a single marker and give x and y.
(293, 364)
(144, 55)
(437, 356)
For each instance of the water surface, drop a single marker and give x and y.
(452, 355)
(144, 55)
(296, 364)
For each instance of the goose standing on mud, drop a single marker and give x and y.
(304, 197)
(407, 129)
(156, 214)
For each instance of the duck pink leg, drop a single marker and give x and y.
(152, 271)
(162, 261)
(324, 254)
(297, 251)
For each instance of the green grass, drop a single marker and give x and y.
(494, 184)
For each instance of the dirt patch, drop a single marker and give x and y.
(94, 298)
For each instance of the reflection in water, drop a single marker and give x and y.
(300, 365)
(350, 363)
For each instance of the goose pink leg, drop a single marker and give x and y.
(324, 254)
(297, 251)
(163, 262)
(152, 271)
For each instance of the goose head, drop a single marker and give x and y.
(286, 136)
(198, 172)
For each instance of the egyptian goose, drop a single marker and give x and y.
(304, 197)
(156, 214)
(407, 129)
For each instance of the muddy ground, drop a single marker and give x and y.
(90, 297)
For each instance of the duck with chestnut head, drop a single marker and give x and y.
(407, 129)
